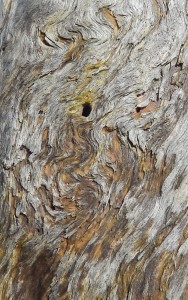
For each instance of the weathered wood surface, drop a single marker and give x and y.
(94, 207)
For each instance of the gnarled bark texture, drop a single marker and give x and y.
(94, 149)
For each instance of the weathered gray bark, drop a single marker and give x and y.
(94, 204)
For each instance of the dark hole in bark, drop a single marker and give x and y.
(140, 94)
(155, 79)
(180, 65)
(86, 109)
(138, 109)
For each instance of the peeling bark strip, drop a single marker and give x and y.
(94, 149)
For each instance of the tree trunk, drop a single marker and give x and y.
(94, 150)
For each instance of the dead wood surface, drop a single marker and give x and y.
(93, 149)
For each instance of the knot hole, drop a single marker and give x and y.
(86, 109)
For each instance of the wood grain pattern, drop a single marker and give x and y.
(93, 150)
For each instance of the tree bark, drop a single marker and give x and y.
(93, 149)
